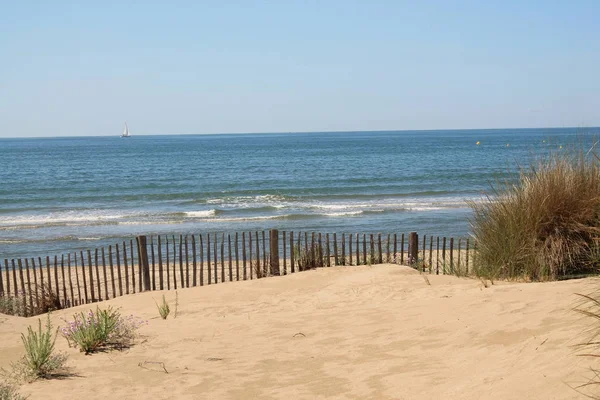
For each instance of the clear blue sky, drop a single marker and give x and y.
(84, 68)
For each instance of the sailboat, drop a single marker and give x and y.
(125, 131)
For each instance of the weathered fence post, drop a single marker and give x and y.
(143, 260)
(413, 248)
(274, 242)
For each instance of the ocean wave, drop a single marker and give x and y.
(200, 214)
(343, 214)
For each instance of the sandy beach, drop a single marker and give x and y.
(376, 332)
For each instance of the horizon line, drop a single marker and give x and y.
(302, 132)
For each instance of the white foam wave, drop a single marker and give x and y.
(343, 214)
(201, 214)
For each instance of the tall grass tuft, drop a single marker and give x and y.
(308, 258)
(40, 360)
(163, 308)
(546, 225)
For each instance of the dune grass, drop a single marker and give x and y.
(544, 226)
(40, 359)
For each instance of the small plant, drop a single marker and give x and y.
(102, 329)
(9, 392)
(39, 360)
(12, 305)
(308, 258)
(163, 308)
(48, 300)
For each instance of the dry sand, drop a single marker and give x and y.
(341, 333)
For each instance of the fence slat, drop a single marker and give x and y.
(143, 264)
(194, 264)
(126, 267)
(112, 272)
(35, 284)
(181, 279)
(153, 263)
(250, 253)
(7, 274)
(387, 249)
(258, 267)
(430, 253)
(244, 255)
(168, 266)
(320, 250)
(215, 259)
(223, 257)
(90, 275)
(292, 266)
(237, 258)
(437, 256)
(230, 258)
(23, 292)
(118, 257)
(424, 252)
(64, 281)
(47, 272)
(313, 250)
(201, 260)
(264, 249)
(350, 250)
(343, 260)
(187, 263)
(379, 249)
(335, 250)
(283, 235)
(402, 249)
(372, 249)
(98, 275)
(395, 249)
(452, 255)
(357, 249)
(175, 264)
(458, 254)
(132, 258)
(29, 287)
(208, 257)
(14, 273)
(2, 292)
(444, 254)
(328, 249)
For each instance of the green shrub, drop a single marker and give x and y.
(100, 330)
(544, 226)
(39, 360)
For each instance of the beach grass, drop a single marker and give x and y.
(544, 226)
(40, 359)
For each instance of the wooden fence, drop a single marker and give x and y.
(174, 262)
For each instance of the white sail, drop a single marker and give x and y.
(125, 131)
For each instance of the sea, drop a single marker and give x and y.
(64, 194)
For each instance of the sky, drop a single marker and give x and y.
(84, 68)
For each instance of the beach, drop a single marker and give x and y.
(380, 331)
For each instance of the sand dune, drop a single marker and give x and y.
(341, 333)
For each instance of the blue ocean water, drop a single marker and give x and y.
(64, 194)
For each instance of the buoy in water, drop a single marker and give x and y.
(477, 143)
(507, 144)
